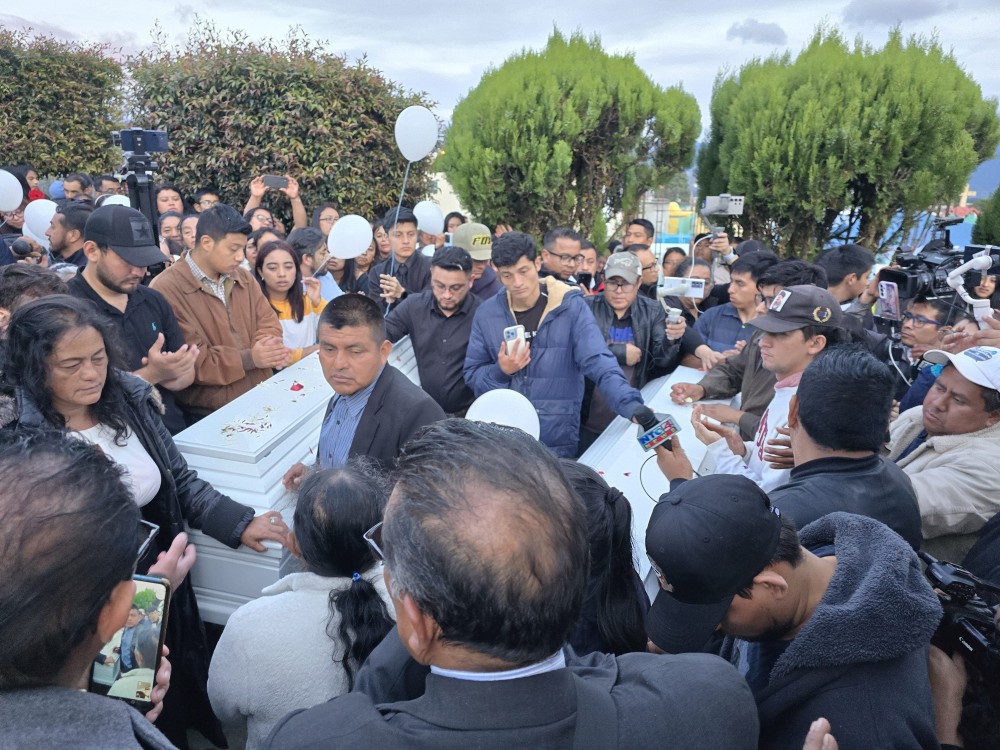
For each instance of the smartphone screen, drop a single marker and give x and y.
(125, 668)
(274, 181)
(585, 278)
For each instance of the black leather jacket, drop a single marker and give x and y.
(649, 326)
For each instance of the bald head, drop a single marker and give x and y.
(484, 533)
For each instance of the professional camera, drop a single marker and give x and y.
(968, 623)
(925, 271)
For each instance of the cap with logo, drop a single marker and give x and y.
(707, 539)
(979, 365)
(475, 239)
(796, 307)
(623, 265)
(126, 231)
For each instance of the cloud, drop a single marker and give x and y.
(37, 28)
(752, 30)
(861, 12)
(184, 13)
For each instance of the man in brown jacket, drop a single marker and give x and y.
(222, 310)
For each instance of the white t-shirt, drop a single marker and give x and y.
(142, 476)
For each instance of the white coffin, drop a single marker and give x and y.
(617, 456)
(243, 450)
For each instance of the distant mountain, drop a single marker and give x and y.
(986, 178)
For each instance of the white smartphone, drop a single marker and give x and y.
(513, 336)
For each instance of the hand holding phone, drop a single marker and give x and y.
(275, 181)
(126, 666)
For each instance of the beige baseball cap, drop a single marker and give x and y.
(475, 239)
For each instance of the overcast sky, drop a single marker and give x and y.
(444, 47)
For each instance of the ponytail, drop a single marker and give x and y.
(364, 622)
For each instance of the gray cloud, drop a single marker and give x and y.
(758, 32)
(38, 28)
(860, 12)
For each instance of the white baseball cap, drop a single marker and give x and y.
(979, 365)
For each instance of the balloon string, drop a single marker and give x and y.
(395, 219)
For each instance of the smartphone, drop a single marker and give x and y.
(888, 301)
(274, 181)
(513, 336)
(448, 237)
(585, 279)
(125, 668)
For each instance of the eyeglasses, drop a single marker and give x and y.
(150, 530)
(619, 286)
(650, 267)
(374, 538)
(207, 202)
(919, 321)
(567, 259)
(760, 298)
(264, 217)
(328, 219)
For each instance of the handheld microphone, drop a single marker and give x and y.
(656, 429)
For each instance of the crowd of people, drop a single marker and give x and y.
(451, 583)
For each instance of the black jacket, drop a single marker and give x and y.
(603, 702)
(414, 274)
(183, 496)
(396, 409)
(659, 356)
(872, 486)
(860, 660)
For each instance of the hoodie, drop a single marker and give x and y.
(860, 660)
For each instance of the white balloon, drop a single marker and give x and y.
(350, 237)
(38, 214)
(416, 132)
(43, 240)
(429, 217)
(116, 200)
(506, 407)
(11, 192)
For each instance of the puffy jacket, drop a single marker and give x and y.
(567, 346)
(659, 356)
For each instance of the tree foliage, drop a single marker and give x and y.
(236, 108)
(559, 136)
(878, 134)
(58, 104)
(987, 228)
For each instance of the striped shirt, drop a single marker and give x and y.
(340, 425)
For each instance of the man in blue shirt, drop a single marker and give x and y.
(724, 326)
(376, 408)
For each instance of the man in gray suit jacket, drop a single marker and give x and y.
(486, 559)
(375, 408)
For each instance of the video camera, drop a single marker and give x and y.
(967, 626)
(139, 146)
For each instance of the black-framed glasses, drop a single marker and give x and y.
(919, 321)
(619, 286)
(374, 538)
(758, 298)
(650, 267)
(148, 531)
(567, 259)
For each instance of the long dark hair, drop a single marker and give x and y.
(295, 297)
(334, 509)
(613, 588)
(34, 331)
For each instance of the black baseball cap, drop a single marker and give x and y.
(707, 539)
(126, 231)
(796, 307)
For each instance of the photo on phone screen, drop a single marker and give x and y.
(125, 668)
